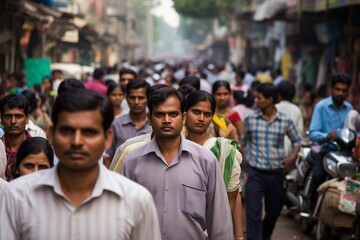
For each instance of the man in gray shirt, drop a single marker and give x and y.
(133, 123)
(183, 177)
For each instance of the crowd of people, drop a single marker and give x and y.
(157, 152)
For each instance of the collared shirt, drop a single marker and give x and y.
(327, 118)
(266, 139)
(295, 115)
(10, 157)
(3, 160)
(123, 128)
(189, 194)
(34, 130)
(35, 207)
(124, 149)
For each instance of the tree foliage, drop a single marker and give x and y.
(204, 8)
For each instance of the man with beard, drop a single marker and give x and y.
(14, 111)
(184, 178)
(328, 116)
(133, 123)
(78, 198)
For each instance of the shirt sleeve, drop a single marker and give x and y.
(112, 149)
(217, 210)
(147, 226)
(9, 215)
(293, 134)
(315, 128)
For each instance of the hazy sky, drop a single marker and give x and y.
(166, 10)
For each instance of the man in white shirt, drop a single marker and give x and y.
(79, 198)
(287, 93)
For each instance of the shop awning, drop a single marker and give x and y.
(269, 9)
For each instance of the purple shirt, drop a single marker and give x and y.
(96, 86)
(189, 194)
(123, 129)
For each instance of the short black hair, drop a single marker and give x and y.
(186, 89)
(269, 90)
(98, 73)
(161, 95)
(191, 80)
(15, 101)
(136, 84)
(32, 99)
(70, 84)
(246, 98)
(200, 96)
(241, 73)
(340, 77)
(127, 71)
(83, 100)
(286, 90)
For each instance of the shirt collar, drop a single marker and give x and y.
(152, 146)
(331, 103)
(259, 114)
(104, 182)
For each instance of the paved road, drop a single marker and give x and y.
(289, 229)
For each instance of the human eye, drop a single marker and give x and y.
(19, 116)
(196, 112)
(29, 165)
(66, 130)
(7, 116)
(90, 132)
(159, 114)
(207, 114)
(43, 166)
(173, 114)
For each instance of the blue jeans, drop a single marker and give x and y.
(267, 185)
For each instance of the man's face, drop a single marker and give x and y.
(261, 101)
(137, 100)
(79, 139)
(166, 119)
(339, 92)
(126, 78)
(14, 121)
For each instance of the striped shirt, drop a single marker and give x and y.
(266, 139)
(35, 207)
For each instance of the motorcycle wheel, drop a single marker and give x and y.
(307, 225)
(323, 232)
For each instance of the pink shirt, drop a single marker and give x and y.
(96, 86)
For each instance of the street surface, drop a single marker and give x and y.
(289, 229)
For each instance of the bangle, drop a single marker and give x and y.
(241, 238)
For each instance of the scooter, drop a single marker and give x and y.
(355, 228)
(299, 181)
(337, 164)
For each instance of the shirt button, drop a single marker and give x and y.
(165, 210)
(167, 169)
(167, 189)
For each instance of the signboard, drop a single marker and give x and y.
(36, 69)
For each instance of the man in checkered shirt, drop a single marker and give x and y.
(264, 134)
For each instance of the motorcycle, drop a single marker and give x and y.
(298, 182)
(355, 228)
(337, 164)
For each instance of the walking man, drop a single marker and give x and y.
(183, 177)
(265, 130)
(79, 198)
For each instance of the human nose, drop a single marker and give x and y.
(166, 118)
(201, 117)
(13, 120)
(77, 138)
(136, 100)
